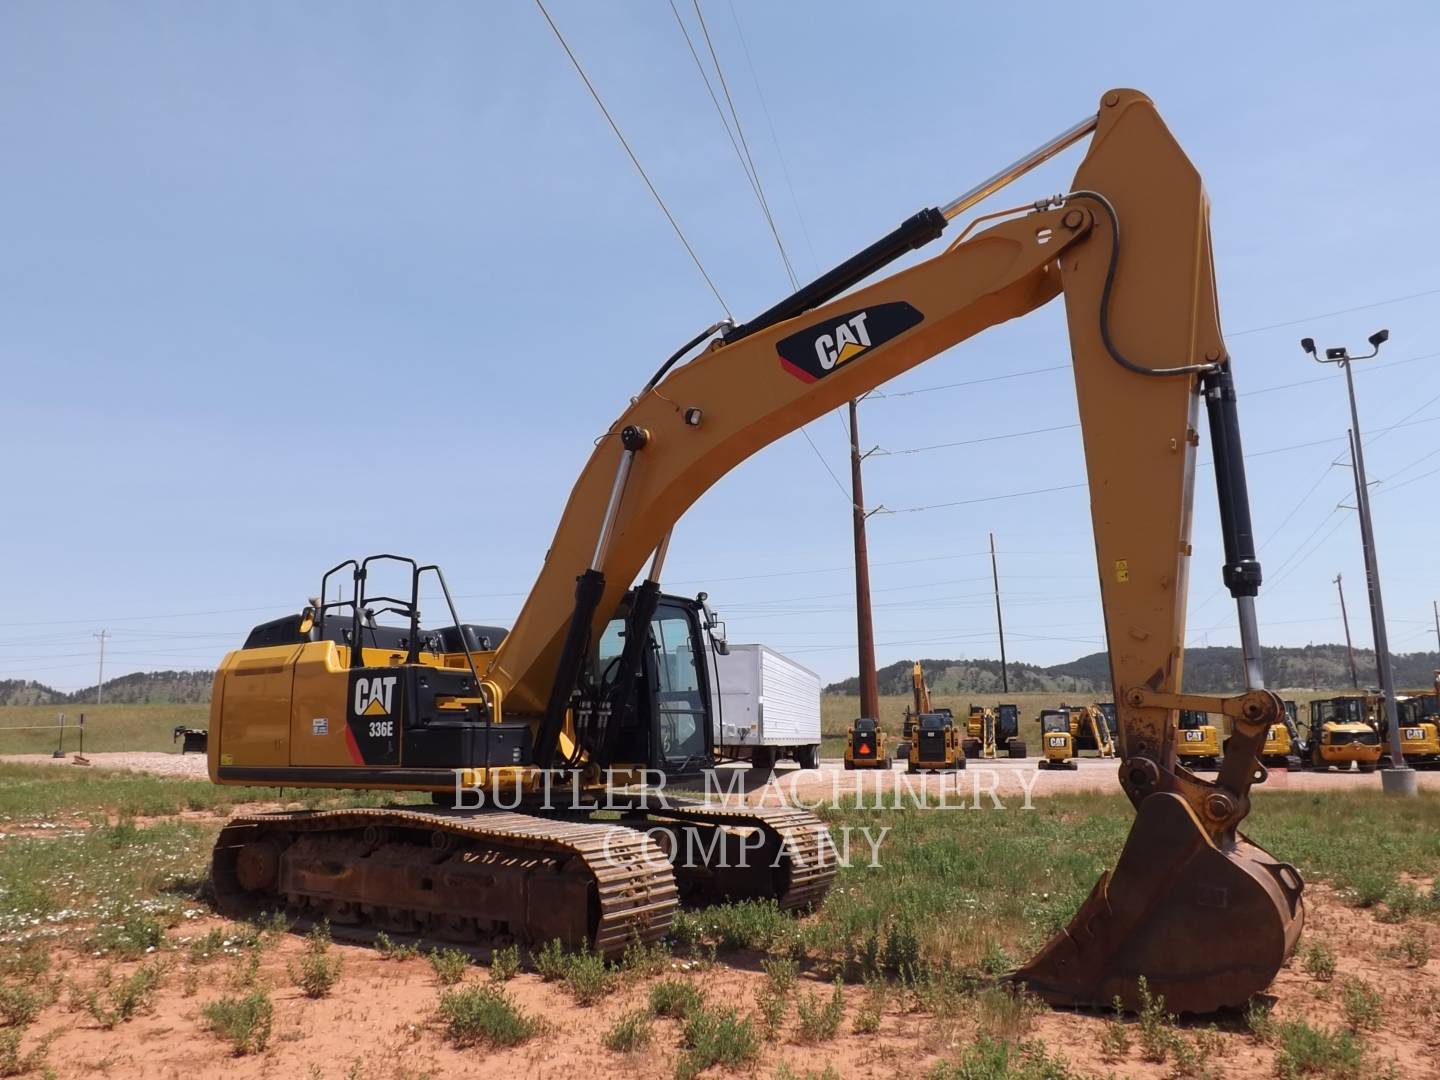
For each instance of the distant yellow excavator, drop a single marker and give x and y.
(600, 686)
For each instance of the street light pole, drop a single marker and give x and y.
(1399, 778)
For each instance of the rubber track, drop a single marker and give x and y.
(804, 838)
(636, 887)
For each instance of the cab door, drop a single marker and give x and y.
(681, 735)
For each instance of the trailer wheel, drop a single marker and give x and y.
(808, 757)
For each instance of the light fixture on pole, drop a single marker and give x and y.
(1399, 778)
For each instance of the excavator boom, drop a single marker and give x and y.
(1204, 914)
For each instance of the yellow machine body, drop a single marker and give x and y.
(866, 746)
(936, 745)
(1057, 739)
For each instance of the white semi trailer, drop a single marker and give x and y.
(765, 707)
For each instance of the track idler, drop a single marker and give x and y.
(1206, 927)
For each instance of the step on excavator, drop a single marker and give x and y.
(574, 698)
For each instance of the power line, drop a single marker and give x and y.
(987, 499)
(1331, 314)
(719, 111)
(634, 160)
(774, 138)
(845, 494)
(744, 145)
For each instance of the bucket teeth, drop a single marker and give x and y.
(1205, 926)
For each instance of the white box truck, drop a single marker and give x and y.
(767, 707)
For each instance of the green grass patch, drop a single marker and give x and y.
(123, 881)
(1361, 841)
(630, 1033)
(1305, 1051)
(819, 1016)
(244, 1022)
(675, 998)
(317, 972)
(997, 1059)
(504, 964)
(749, 924)
(119, 1000)
(484, 1016)
(449, 965)
(716, 1037)
(107, 727)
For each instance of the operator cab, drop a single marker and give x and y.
(1055, 721)
(668, 724)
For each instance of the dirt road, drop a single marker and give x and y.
(1003, 779)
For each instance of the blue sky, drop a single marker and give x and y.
(282, 283)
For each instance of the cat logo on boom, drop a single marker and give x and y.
(816, 352)
(374, 696)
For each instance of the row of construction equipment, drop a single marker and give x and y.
(1339, 732)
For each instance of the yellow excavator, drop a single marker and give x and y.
(563, 721)
(919, 706)
(991, 729)
(1091, 724)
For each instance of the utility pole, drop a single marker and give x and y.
(864, 624)
(999, 620)
(1399, 779)
(1349, 648)
(100, 682)
(1435, 607)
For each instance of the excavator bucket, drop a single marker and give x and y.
(1206, 925)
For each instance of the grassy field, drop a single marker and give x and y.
(966, 887)
(150, 727)
(955, 898)
(107, 727)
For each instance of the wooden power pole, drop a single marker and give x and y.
(1349, 648)
(999, 619)
(864, 623)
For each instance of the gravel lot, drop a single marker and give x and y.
(1007, 779)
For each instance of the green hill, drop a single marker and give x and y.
(1215, 669)
(141, 688)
